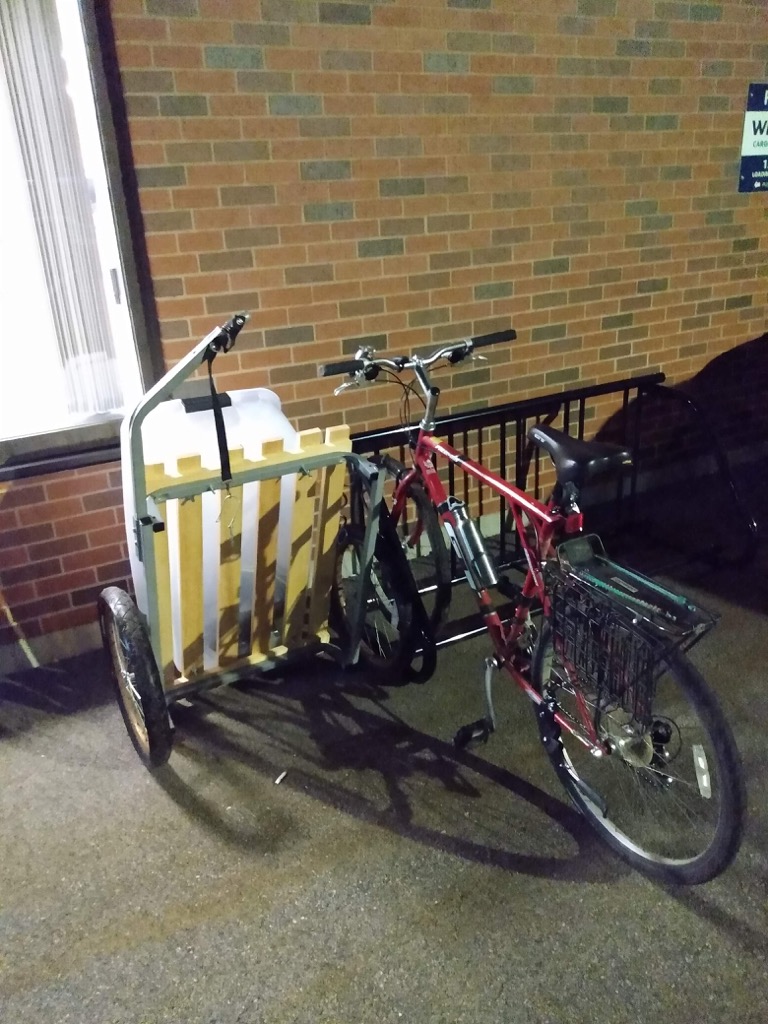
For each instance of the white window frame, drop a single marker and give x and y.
(93, 443)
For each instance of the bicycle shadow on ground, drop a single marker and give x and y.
(752, 939)
(345, 748)
(71, 686)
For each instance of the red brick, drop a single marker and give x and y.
(50, 511)
(94, 557)
(21, 495)
(17, 594)
(64, 583)
(107, 535)
(62, 546)
(87, 522)
(8, 519)
(13, 558)
(197, 30)
(31, 610)
(71, 618)
(134, 29)
(10, 538)
(114, 570)
(177, 57)
(10, 635)
(30, 571)
(82, 481)
(134, 55)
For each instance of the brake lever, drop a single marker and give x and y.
(346, 386)
(477, 358)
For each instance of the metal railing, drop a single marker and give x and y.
(497, 436)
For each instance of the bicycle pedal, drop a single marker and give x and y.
(473, 734)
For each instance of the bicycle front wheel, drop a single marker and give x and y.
(386, 618)
(135, 676)
(429, 558)
(668, 797)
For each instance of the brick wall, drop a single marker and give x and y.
(407, 173)
(62, 540)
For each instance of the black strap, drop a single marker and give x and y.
(221, 433)
(420, 637)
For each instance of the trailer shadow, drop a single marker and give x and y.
(345, 746)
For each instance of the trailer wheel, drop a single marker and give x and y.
(135, 676)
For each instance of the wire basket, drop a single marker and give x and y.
(605, 649)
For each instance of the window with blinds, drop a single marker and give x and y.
(68, 354)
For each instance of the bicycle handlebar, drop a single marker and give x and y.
(370, 365)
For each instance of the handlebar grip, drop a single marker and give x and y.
(493, 339)
(335, 369)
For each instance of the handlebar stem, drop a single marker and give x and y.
(431, 394)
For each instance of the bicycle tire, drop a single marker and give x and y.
(430, 562)
(135, 677)
(421, 536)
(386, 635)
(634, 796)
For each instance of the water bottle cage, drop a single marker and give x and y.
(469, 545)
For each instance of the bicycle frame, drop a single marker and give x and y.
(549, 523)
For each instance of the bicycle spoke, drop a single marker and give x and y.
(386, 611)
(666, 799)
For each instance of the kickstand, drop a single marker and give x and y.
(479, 732)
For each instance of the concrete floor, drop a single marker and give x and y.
(386, 879)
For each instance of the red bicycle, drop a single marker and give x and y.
(633, 731)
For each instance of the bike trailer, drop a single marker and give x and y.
(234, 568)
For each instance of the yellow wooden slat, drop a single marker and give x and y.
(266, 566)
(310, 440)
(338, 437)
(230, 566)
(273, 456)
(191, 572)
(163, 574)
(272, 452)
(302, 526)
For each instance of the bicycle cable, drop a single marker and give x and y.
(405, 398)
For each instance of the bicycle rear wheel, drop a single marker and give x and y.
(667, 797)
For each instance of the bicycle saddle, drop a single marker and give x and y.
(577, 461)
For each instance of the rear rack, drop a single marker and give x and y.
(652, 605)
(613, 628)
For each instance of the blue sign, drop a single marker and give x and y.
(753, 173)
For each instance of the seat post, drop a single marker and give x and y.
(566, 497)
